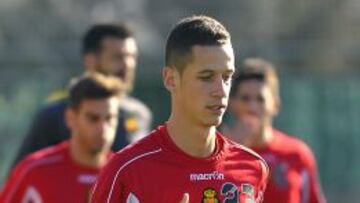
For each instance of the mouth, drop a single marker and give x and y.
(217, 109)
(120, 74)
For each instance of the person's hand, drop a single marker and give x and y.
(185, 199)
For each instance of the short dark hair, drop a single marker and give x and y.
(256, 69)
(94, 37)
(94, 86)
(190, 31)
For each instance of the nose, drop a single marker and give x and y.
(221, 88)
(253, 106)
(102, 126)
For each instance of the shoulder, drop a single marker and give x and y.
(53, 107)
(122, 168)
(57, 95)
(133, 105)
(43, 158)
(295, 146)
(241, 150)
(292, 142)
(243, 153)
(252, 160)
(48, 156)
(134, 154)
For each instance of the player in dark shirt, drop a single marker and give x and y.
(109, 49)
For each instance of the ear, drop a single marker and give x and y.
(170, 78)
(70, 117)
(89, 60)
(277, 106)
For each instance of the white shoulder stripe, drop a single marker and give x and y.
(126, 164)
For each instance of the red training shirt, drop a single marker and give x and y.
(293, 171)
(155, 170)
(49, 176)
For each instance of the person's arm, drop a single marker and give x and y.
(311, 188)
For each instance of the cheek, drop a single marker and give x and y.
(191, 90)
(240, 107)
(130, 62)
(111, 127)
(271, 108)
(85, 126)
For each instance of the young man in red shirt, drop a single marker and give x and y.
(186, 160)
(254, 101)
(66, 172)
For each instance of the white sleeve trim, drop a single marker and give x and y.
(132, 199)
(32, 196)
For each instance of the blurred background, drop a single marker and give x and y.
(314, 44)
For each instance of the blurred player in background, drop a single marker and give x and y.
(110, 49)
(254, 102)
(65, 172)
(186, 160)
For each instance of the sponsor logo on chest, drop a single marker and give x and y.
(86, 178)
(207, 176)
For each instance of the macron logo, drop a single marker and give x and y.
(207, 176)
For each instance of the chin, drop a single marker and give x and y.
(96, 151)
(213, 122)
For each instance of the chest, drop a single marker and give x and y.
(204, 183)
(288, 178)
(60, 187)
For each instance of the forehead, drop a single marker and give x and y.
(125, 45)
(252, 86)
(212, 57)
(110, 104)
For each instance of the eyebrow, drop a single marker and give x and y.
(211, 71)
(206, 71)
(230, 71)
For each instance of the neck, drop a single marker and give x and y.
(262, 138)
(83, 157)
(194, 140)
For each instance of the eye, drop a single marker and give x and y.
(227, 78)
(92, 118)
(244, 98)
(260, 99)
(111, 118)
(206, 78)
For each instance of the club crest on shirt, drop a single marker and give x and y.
(210, 196)
(247, 191)
(230, 192)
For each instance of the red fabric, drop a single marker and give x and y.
(155, 170)
(293, 171)
(49, 175)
